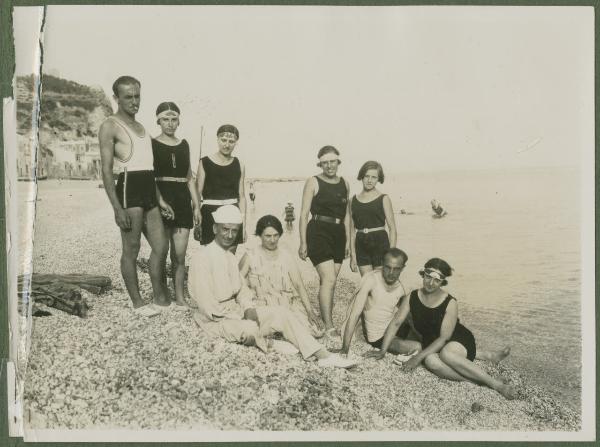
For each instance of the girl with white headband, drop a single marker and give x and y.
(174, 178)
(448, 347)
(323, 238)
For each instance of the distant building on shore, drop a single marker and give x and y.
(76, 159)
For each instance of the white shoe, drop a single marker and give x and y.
(336, 361)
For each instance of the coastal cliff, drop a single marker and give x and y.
(70, 116)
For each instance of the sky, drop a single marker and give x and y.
(416, 88)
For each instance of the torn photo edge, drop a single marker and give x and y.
(19, 347)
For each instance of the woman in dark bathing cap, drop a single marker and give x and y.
(220, 182)
(448, 347)
(176, 184)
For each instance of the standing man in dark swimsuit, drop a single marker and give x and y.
(220, 182)
(135, 199)
(324, 239)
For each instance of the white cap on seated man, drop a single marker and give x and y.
(217, 288)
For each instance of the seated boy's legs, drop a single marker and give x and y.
(406, 341)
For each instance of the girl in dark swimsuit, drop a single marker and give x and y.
(176, 184)
(448, 347)
(370, 212)
(324, 239)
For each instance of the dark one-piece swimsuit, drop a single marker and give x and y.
(171, 167)
(428, 322)
(220, 183)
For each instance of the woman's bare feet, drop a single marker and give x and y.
(180, 302)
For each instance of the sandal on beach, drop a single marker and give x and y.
(146, 311)
(401, 358)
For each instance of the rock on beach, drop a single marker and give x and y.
(118, 370)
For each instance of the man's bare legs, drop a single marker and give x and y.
(130, 242)
(328, 272)
(159, 244)
(179, 242)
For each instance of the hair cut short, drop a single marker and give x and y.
(167, 105)
(396, 253)
(441, 265)
(327, 150)
(268, 221)
(124, 80)
(229, 128)
(371, 165)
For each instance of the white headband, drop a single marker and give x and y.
(167, 113)
(434, 273)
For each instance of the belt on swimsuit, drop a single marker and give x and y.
(219, 202)
(172, 179)
(333, 220)
(370, 230)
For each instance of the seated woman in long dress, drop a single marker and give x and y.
(273, 276)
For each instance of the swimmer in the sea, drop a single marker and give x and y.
(289, 216)
(437, 209)
(252, 194)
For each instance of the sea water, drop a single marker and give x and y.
(512, 237)
(513, 240)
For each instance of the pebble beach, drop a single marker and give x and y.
(115, 369)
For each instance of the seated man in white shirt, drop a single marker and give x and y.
(377, 300)
(216, 286)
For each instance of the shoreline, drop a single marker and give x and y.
(390, 174)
